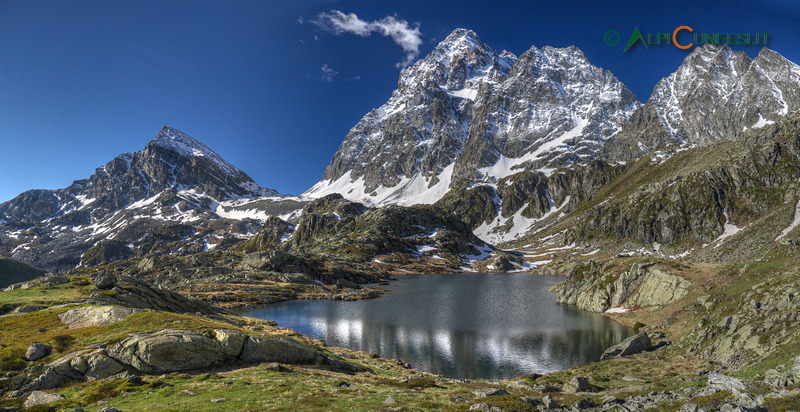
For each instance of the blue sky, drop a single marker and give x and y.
(83, 81)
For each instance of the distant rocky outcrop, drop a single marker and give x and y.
(599, 286)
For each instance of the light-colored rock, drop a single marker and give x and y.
(722, 382)
(41, 398)
(232, 341)
(583, 404)
(67, 367)
(595, 289)
(272, 349)
(658, 288)
(95, 316)
(545, 388)
(484, 407)
(169, 350)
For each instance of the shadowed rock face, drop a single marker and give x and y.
(635, 344)
(332, 224)
(160, 199)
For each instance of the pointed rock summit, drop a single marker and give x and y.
(129, 201)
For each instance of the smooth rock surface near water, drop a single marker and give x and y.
(470, 325)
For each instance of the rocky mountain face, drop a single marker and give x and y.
(720, 203)
(468, 114)
(715, 95)
(174, 196)
(510, 143)
(522, 203)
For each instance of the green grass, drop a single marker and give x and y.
(782, 404)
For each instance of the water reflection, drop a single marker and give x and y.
(465, 325)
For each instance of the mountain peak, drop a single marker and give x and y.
(461, 34)
(180, 142)
(461, 39)
(184, 153)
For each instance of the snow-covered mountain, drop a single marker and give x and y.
(715, 95)
(467, 114)
(174, 196)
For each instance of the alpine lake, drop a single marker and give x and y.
(467, 325)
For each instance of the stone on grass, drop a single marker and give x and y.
(482, 393)
(37, 351)
(484, 407)
(722, 382)
(635, 344)
(41, 398)
(169, 350)
(549, 403)
(104, 281)
(578, 384)
(95, 316)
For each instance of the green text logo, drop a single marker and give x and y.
(684, 37)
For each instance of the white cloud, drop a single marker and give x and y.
(328, 73)
(404, 35)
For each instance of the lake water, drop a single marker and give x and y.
(468, 325)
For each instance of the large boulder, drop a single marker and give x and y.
(37, 351)
(172, 350)
(95, 316)
(72, 366)
(271, 349)
(104, 281)
(635, 344)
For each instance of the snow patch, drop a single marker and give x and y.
(761, 122)
(791, 226)
(729, 230)
(410, 191)
(507, 166)
(465, 93)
